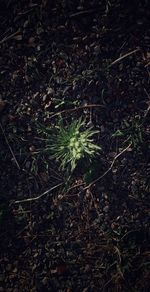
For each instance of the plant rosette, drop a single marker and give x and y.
(68, 145)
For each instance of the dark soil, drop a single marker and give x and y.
(62, 55)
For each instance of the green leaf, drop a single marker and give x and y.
(118, 133)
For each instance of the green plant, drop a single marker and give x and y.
(133, 132)
(68, 145)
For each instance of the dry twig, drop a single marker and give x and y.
(148, 108)
(38, 197)
(83, 12)
(111, 166)
(9, 37)
(100, 177)
(123, 57)
(76, 109)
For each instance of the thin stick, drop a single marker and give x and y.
(38, 197)
(147, 64)
(127, 233)
(9, 37)
(123, 57)
(100, 177)
(111, 166)
(148, 108)
(76, 109)
(7, 142)
(83, 12)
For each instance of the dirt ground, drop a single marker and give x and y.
(65, 60)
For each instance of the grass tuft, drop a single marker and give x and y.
(68, 145)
